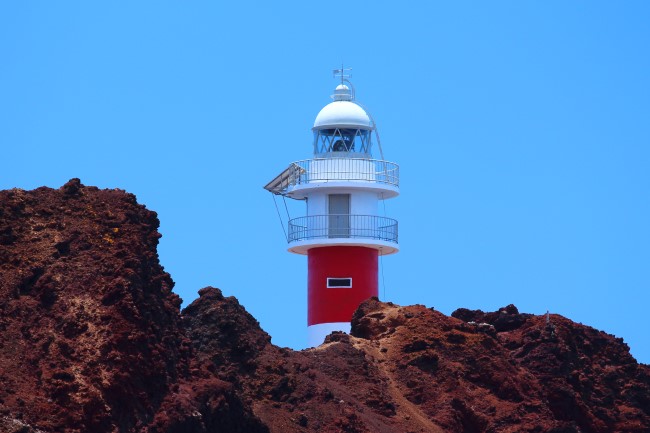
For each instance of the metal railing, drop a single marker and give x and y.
(342, 226)
(345, 169)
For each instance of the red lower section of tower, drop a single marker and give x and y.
(327, 305)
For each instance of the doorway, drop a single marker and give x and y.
(339, 215)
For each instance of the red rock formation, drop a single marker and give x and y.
(90, 337)
(93, 341)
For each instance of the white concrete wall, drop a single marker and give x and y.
(317, 203)
(361, 202)
(341, 169)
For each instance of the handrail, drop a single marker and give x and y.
(344, 169)
(342, 226)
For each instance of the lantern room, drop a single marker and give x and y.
(343, 128)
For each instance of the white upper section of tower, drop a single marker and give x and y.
(343, 143)
(343, 184)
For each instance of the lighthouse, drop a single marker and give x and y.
(344, 232)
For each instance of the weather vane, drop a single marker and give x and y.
(342, 73)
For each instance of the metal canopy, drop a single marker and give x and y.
(285, 179)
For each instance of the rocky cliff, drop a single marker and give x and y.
(92, 340)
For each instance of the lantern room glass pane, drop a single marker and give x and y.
(342, 141)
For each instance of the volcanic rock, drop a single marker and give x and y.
(93, 340)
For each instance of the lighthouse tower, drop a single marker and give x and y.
(342, 233)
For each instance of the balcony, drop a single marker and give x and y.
(336, 170)
(365, 228)
(347, 169)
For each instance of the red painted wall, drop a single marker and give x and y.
(337, 305)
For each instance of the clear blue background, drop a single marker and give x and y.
(522, 130)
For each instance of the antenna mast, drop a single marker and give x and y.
(345, 74)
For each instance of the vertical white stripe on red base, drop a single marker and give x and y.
(316, 333)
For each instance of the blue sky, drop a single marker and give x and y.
(521, 128)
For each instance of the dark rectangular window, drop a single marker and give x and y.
(339, 283)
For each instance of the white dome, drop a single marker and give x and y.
(342, 113)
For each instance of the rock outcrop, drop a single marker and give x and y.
(92, 340)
